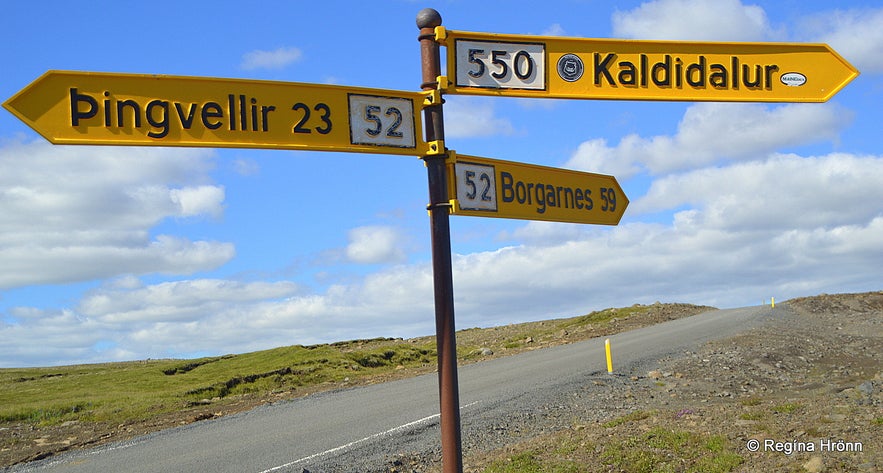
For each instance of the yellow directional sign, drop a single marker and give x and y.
(582, 68)
(486, 187)
(129, 109)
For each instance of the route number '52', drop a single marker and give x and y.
(476, 186)
(500, 65)
(386, 121)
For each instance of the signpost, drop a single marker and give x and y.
(156, 110)
(493, 188)
(583, 68)
(130, 109)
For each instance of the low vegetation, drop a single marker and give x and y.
(809, 377)
(116, 400)
(650, 447)
(135, 391)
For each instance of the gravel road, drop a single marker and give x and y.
(516, 398)
(812, 365)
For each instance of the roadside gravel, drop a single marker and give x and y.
(810, 378)
(811, 373)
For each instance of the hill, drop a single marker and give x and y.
(802, 393)
(44, 411)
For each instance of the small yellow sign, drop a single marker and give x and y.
(131, 109)
(484, 187)
(583, 68)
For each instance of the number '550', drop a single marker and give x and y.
(522, 64)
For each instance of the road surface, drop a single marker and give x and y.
(360, 429)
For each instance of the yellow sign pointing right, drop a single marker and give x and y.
(585, 68)
(486, 187)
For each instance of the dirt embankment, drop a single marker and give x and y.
(782, 397)
(802, 393)
(28, 441)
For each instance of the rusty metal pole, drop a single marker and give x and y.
(439, 216)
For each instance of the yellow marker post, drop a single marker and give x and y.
(772, 302)
(609, 359)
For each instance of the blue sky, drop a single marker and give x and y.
(110, 253)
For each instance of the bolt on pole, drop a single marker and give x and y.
(439, 217)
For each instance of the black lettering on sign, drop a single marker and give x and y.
(210, 111)
(603, 68)
(188, 121)
(669, 71)
(161, 108)
(542, 196)
(77, 113)
(159, 117)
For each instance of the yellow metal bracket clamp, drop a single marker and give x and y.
(441, 35)
(450, 160)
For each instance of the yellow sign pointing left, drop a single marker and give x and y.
(131, 109)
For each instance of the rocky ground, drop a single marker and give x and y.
(808, 382)
(787, 396)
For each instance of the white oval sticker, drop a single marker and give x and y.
(793, 79)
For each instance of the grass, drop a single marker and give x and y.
(110, 401)
(533, 462)
(787, 408)
(655, 448)
(751, 401)
(46, 415)
(134, 391)
(525, 462)
(137, 391)
(631, 417)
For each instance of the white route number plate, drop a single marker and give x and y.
(501, 65)
(382, 121)
(476, 186)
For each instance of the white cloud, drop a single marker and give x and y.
(375, 244)
(693, 20)
(57, 264)
(714, 132)
(786, 226)
(246, 167)
(470, 117)
(177, 301)
(275, 59)
(856, 34)
(72, 213)
(554, 30)
(596, 155)
(193, 201)
(542, 233)
(784, 192)
(735, 219)
(131, 320)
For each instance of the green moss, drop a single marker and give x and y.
(525, 462)
(630, 417)
(787, 408)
